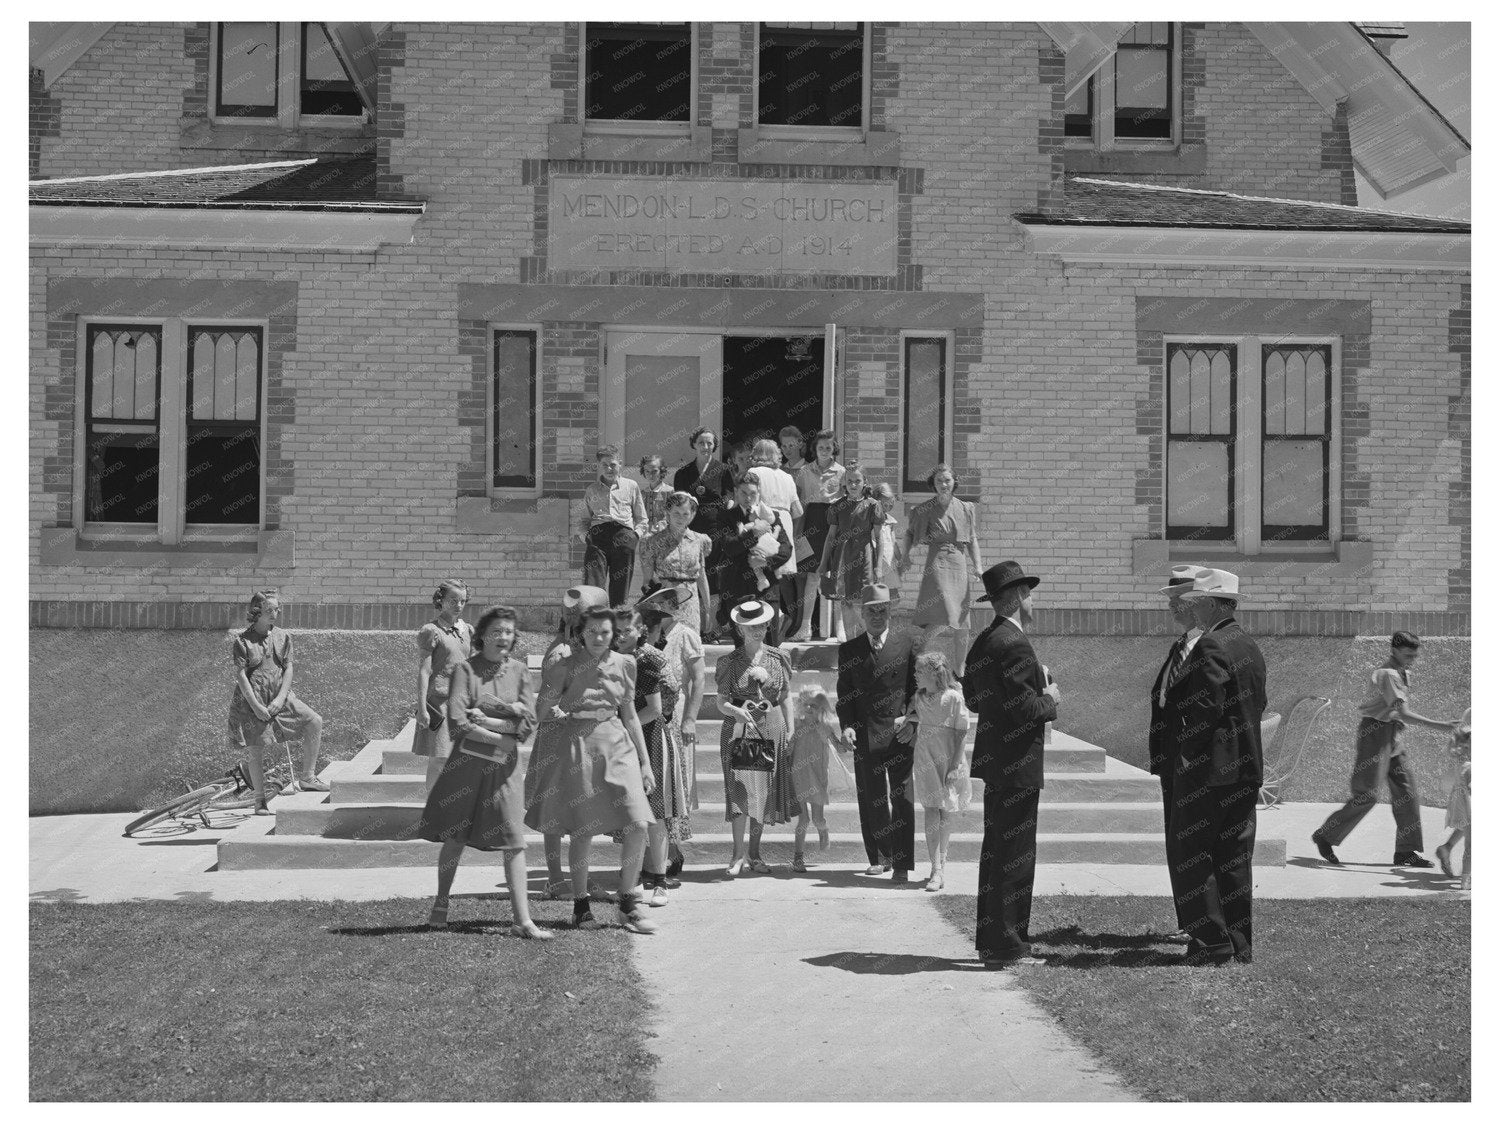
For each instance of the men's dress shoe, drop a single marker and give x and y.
(1178, 936)
(1200, 957)
(900, 876)
(1010, 961)
(1325, 849)
(877, 868)
(1411, 858)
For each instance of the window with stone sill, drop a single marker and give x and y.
(1134, 99)
(515, 414)
(172, 431)
(638, 75)
(1252, 462)
(811, 78)
(282, 75)
(926, 409)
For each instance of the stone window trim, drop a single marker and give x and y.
(1246, 538)
(288, 128)
(268, 549)
(1104, 140)
(1346, 562)
(171, 534)
(819, 133)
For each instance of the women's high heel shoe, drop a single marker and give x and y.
(534, 933)
(736, 868)
(438, 918)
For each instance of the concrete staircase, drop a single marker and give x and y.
(1094, 808)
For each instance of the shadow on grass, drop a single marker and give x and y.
(486, 927)
(891, 963)
(1107, 950)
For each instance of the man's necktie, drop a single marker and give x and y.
(1179, 660)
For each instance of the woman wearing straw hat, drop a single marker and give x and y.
(754, 684)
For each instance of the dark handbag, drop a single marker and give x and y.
(436, 716)
(828, 586)
(755, 754)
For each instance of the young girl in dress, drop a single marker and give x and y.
(885, 536)
(264, 705)
(848, 561)
(939, 772)
(1459, 830)
(442, 644)
(816, 739)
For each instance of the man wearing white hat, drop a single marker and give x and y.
(1213, 731)
(1168, 684)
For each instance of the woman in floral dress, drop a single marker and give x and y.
(754, 687)
(676, 557)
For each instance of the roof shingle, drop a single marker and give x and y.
(1095, 202)
(332, 184)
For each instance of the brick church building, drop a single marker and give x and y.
(345, 308)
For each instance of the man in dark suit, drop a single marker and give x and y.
(1168, 684)
(1213, 728)
(877, 682)
(1006, 686)
(739, 530)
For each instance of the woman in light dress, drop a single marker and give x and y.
(778, 491)
(848, 563)
(597, 771)
(676, 557)
(949, 528)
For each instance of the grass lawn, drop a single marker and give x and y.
(1347, 1000)
(122, 719)
(292, 1001)
(1106, 684)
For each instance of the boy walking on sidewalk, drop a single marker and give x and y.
(1379, 756)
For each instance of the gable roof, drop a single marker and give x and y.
(1088, 201)
(1400, 139)
(314, 184)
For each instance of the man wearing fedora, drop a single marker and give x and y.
(1213, 733)
(876, 684)
(1169, 684)
(1005, 684)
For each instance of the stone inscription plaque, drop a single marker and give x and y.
(721, 226)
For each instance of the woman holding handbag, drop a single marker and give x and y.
(442, 644)
(476, 801)
(754, 694)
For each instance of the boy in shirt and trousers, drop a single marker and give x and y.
(1379, 755)
(614, 519)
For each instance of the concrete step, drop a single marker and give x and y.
(1062, 756)
(1102, 786)
(298, 852)
(400, 820)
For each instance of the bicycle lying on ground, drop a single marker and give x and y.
(231, 792)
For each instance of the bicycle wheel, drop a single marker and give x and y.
(181, 806)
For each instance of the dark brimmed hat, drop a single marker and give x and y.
(662, 601)
(1003, 575)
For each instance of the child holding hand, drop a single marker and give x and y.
(1457, 822)
(816, 739)
(939, 771)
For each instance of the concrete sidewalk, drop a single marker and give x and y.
(84, 858)
(781, 989)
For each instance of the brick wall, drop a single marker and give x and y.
(1054, 401)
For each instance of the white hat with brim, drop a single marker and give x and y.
(585, 597)
(1213, 583)
(752, 613)
(1182, 577)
